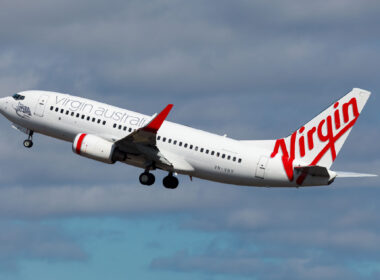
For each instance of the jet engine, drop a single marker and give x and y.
(97, 148)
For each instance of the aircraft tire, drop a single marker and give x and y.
(28, 143)
(147, 179)
(170, 182)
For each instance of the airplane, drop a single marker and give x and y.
(110, 134)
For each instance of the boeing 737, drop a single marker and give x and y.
(110, 134)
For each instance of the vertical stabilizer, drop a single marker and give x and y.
(319, 141)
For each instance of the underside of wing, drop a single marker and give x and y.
(142, 142)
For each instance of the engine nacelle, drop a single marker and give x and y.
(97, 148)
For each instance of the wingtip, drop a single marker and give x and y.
(158, 120)
(343, 174)
(361, 91)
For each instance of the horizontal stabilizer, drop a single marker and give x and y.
(314, 170)
(353, 174)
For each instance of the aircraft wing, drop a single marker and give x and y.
(143, 141)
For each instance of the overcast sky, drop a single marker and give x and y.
(249, 69)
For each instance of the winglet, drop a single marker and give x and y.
(156, 123)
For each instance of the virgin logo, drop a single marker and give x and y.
(328, 131)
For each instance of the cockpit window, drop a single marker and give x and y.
(18, 96)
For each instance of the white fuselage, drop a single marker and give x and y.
(196, 153)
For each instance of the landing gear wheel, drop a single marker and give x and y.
(28, 143)
(170, 182)
(147, 179)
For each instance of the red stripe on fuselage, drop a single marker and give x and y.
(79, 143)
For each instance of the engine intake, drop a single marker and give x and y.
(97, 148)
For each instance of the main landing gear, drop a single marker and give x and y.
(170, 182)
(28, 143)
(148, 179)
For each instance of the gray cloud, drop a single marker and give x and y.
(171, 47)
(20, 241)
(254, 266)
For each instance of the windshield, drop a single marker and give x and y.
(18, 96)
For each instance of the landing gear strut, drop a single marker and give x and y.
(147, 178)
(170, 181)
(28, 143)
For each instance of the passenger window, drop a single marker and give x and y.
(130, 129)
(56, 109)
(185, 145)
(212, 153)
(217, 154)
(169, 141)
(104, 122)
(234, 159)
(196, 148)
(62, 111)
(51, 108)
(201, 150)
(67, 112)
(88, 118)
(124, 128)
(119, 126)
(191, 147)
(229, 157)
(99, 120)
(158, 137)
(175, 142)
(83, 117)
(78, 115)
(164, 139)
(239, 161)
(207, 151)
(72, 114)
(114, 125)
(223, 156)
(93, 119)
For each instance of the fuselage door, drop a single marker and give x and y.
(40, 107)
(261, 165)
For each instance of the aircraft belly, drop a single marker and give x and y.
(222, 172)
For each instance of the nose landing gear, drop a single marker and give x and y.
(28, 143)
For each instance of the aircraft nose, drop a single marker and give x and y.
(2, 104)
